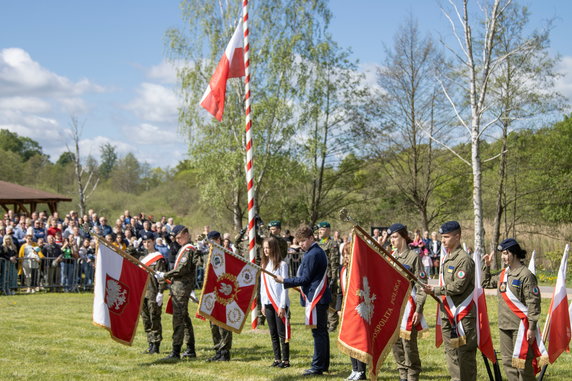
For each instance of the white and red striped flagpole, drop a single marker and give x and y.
(249, 152)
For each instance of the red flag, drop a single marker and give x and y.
(559, 318)
(484, 338)
(373, 305)
(118, 294)
(229, 287)
(231, 65)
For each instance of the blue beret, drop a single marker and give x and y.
(177, 229)
(213, 235)
(275, 223)
(449, 226)
(148, 235)
(395, 228)
(507, 243)
(324, 224)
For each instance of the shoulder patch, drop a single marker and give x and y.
(502, 287)
(516, 283)
(461, 274)
(422, 275)
(450, 269)
(407, 267)
(535, 290)
(184, 259)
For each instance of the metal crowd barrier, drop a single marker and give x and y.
(49, 275)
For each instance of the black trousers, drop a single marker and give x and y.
(321, 359)
(277, 334)
(357, 365)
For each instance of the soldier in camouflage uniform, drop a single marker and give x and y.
(275, 228)
(151, 310)
(182, 278)
(332, 250)
(405, 349)
(458, 272)
(518, 280)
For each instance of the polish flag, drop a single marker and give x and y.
(558, 315)
(532, 264)
(484, 338)
(118, 294)
(438, 322)
(231, 65)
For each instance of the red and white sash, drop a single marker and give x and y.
(438, 323)
(310, 314)
(274, 300)
(343, 280)
(521, 346)
(151, 258)
(182, 251)
(454, 313)
(407, 319)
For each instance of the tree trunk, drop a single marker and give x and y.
(477, 191)
(500, 194)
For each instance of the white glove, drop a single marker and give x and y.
(159, 299)
(159, 275)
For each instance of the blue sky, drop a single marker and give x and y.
(105, 62)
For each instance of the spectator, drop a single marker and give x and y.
(51, 251)
(86, 261)
(8, 261)
(53, 229)
(68, 260)
(105, 229)
(119, 242)
(30, 256)
(435, 252)
(162, 248)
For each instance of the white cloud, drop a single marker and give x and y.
(30, 104)
(564, 84)
(22, 76)
(155, 103)
(165, 72)
(146, 133)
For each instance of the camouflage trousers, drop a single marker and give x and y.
(461, 361)
(182, 324)
(222, 338)
(151, 316)
(406, 354)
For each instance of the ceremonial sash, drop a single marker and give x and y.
(521, 346)
(274, 300)
(151, 258)
(343, 280)
(183, 249)
(455, 314)
(438, 323)
(407, 319)
(310, 305)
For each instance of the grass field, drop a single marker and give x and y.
(50, 337)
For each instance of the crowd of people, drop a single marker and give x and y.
(47, 252)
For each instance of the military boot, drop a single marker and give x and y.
(148, 350)
(189, 353)
(224, 355)
(175, 353)
(155, 348)
(216, 357)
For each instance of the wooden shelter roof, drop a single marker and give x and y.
(18, 195)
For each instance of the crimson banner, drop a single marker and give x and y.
(373, 305)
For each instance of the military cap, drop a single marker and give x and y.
(213, 235)
(275, 223)
(395, 228)
(177, 229)
(507, 243)
(147, 235)
(324, 224)
(449, 226)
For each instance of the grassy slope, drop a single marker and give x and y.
(50, 336)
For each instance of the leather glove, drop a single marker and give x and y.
(159, 275)
(159, 299)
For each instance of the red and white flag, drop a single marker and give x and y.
(558, 315)
(118, 294)
(484, 338)
(228, 290)
(438, 322)
(373, 305)
(231, 65)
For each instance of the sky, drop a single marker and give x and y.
(105, 62)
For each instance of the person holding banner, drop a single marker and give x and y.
(151, 310)
(518, 312)
(457, 309)
(315, 297)
(405, 349)
(183, 280)
(275, 301)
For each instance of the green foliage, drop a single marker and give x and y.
(21, 145)
(65, 159)
(108, 160)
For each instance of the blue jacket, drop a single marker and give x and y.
(310, 274)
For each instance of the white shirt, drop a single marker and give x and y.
(278, 288)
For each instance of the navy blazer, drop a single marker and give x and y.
(310, 274)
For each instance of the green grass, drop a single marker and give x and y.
(50, 337)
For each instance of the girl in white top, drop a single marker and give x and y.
(275, 302)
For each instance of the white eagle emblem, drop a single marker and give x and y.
(115, 295)
(365, 308)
